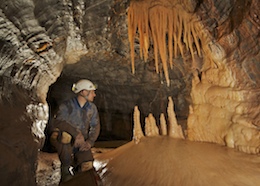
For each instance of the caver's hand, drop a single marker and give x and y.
(85, 147)
(79, 140)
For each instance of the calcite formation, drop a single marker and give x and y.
(171, 28)
(225, 96)
(225, 92)
(170, 128)
(166, 158)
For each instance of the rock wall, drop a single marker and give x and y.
(225, 95)
(45, 46)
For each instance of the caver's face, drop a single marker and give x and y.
(89, 95)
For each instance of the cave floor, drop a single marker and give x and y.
(164, 161)
(48, 167)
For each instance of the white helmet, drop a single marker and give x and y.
(83, 84)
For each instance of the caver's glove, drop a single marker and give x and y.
(79, 140)
(85, 147)
(81, 143)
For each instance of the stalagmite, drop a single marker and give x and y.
(163, 125)
(151, 128)
(138, 132)
(175, 130)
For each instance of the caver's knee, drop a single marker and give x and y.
(54, 136)
(60, 136)
(65, 138)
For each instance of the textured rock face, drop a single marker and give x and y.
(42, 40)
(225, 95)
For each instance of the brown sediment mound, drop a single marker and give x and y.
(163, 160)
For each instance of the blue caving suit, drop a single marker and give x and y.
(72, 118)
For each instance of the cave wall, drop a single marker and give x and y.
(45, 46)
(228, 111)
(42, 41)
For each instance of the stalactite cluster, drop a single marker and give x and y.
(168, 26)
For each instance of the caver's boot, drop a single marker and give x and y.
(88, 170)
(66, 173)
(85, 166)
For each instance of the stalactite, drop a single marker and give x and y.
(139, 22)
(163, 21)
(158, 28)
